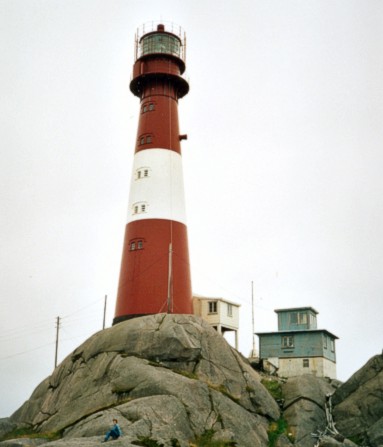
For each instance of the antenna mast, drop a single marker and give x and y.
(103, 322)
(170, 279)
(57, 339)
(252, 317)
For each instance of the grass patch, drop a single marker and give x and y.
(358, 439)
(205, 440)
(278, 428)
(29, 433)
(273, 387)
(223, 390)
(187, 374)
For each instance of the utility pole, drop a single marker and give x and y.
(103, 322)
(57, 339)
(252, 316)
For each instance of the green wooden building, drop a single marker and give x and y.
(298, 347)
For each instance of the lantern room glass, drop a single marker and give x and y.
(160, 43)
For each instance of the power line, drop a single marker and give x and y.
(21, 330)
(26, 352)
(25, 331)
(81, 309)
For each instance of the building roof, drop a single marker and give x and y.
(297, 332)
(205, 298)
(292, 309)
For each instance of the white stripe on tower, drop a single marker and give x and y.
(157, 188)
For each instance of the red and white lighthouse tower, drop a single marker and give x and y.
(155, 273)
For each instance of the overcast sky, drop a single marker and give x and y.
(283, 167)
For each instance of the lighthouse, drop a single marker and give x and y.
(155, 271)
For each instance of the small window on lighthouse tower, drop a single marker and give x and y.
(141, 173)
(149, 139)
(139, 245)
(132, 246)
(140, 207)
(147, 107)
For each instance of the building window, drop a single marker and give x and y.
(145, 139)
(140, 207)
(298, 318)
(287, 341)
(325, 341)
(147, 107)
(212, 307)
(141, 173)
(306, 363)
(136, 245)
(229, 310)
(332, 345)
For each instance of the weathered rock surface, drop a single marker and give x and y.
(6, 425)
(375, 433)
(328, 441)
(357, 409)
(304, 406)
(24, 442)
(165, 377)
(358, 404)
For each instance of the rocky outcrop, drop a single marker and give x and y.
(358, 404)
(6, 425)
(168, 378)
(172, 380)
(24, 442)
(357, 408)
(304, 406)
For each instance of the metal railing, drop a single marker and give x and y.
(169, 27)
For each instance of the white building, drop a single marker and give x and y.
(222, 314)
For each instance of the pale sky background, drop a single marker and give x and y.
(283, 167)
